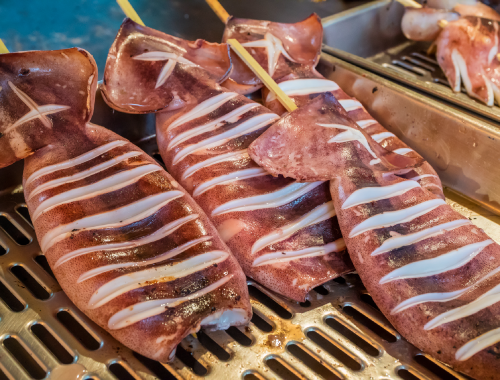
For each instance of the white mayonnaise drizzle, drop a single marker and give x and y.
(317, 215)
(203, 109)
(284, 256)
(371, 194)
(350, 134)
(366, 123)
(120, 217)
(147, 309)
(271, 200)
(166, 273)
(76, 160)
(404, 240)
(155, 236)
(350, 104)
(231, 156)
(137, 264)
(296, 87)
(477, 344)
(229, 178)
(253, 124)
(83, 174)
(231, 117)
(392, 218)
(379, 137)
(437, 265)
(440, 297)
(104, 186)
(402, 151)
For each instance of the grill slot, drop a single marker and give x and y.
(253, 376)
(407, 374)
(366, 298)
(11, 299)
(261, 323)
(437, 368)
(157, 368)
(4, 376)
(370, 323)
(269, 302)
(23, 211)
(42, 261)
(283, 369)
(334, 349)
(53, 343)
(23, 355)
(342, 329)
(3, 249)
(79, 330)
(122, 371)
(212, 346)
(312, 361)
(239, 336)
(14, 231)
(34, 286)
(321, 290)
(188, 359)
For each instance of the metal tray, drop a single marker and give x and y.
(370, 36)
(337, 334)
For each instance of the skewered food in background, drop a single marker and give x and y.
(432, 273)
(284, 234)
(303, 82)
(127, 244)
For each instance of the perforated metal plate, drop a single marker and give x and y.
(337, 334)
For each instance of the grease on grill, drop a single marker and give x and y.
(13, 231)
(81, 332)
(14, 302)
(52, 343)
(27, 279)
(26, 359)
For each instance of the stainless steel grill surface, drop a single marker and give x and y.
(337, 334)
(370, 36)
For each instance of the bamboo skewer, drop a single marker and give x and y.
(129, 11)
(410, 3)
(3, 48)
(218, 10)
(262, 75)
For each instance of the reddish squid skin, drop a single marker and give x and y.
(270, 230)
(471, 44)
(107, 212)
(432, 273)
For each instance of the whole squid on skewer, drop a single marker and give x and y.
(127, 244)
(434, 275)
(302, 83)
(284, 233)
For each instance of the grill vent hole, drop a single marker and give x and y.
(372, 325)
(252, 376)
(434, 368)
(30, 365)
(339, 280)
(277, 366)
(306, 303)
(30, 282)
(121, 372)
(212, 346)
(10, 299)
(23, 211)
(366, 298)
(3, 249)
(269, 302)
(52, 343)
(321, 290)
(329, 346)
(352, 336)
(239, 336)
(311, 362)
(407, 375)
(261, 323)
(78, 330)
(13, 232)
(190, 361)
(42, 261)
(156, 367)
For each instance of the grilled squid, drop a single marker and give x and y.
(284, 233)
(127, 244)
(433, 274)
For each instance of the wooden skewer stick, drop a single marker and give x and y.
(443, 23)
(498, 56)
(262, 75)
(3, 48)
(218, 10)
(410, 3)
(129, 11)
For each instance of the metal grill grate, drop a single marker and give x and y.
(337, 334)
